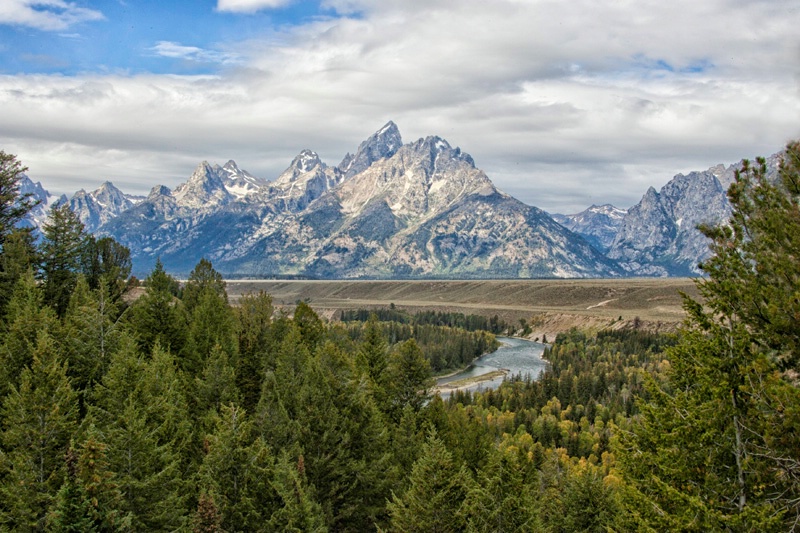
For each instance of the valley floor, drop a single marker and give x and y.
(548, 306)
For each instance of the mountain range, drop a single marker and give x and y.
(393, 210)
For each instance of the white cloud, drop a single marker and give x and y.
(249, 6)
(563, 104)
(49, 15)
(192, 53)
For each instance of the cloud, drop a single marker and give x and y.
(48, 15)
(563, 104)
(174, 50)
(249, 6)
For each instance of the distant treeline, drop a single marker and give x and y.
(445, 347)
(590, 381)
(494, 324)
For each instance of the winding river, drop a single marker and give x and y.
(516, 356)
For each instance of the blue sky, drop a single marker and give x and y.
(563, 104)
(135, 36)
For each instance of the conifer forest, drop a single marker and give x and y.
(179, 411)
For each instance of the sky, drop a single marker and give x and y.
(563, 104)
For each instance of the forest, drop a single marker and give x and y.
(177, 411)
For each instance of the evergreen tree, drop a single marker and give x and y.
(216, 386)
(716, 446)
(298, 511)
(39, 419)
(91, 333)
(316, 406)
(373, 358)
(105, 261)
(207, 518)
(410, 378)
(63, 248)
(158, 316)
(434, 500)
(254, 317)
(13, 206)
(74, 511)
(140, 410)
(202, 279)
(98, 482)
(345, 442)
(211, 324)
(311, 327)
(236, 470)
(26, 319)
(502, 499)
(19, 255)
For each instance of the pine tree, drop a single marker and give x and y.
(434, 500)
(19, 254)
(91, 333)
(39, 418)
(716, 445)
(63, 247)
(27, 318)
(216, 386)
(410, 378)
(298, 512)
(158, 316)
(236, 470)
(141, 411)
(73, 509)
(98, 482)
(105, 261)
(211, 324)
(373, 358)
(207, 518)
(254, 317)
(203, 278)
(13, 206)
(311, 327)
(502, 499)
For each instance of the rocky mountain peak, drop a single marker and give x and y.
(205, 188)
(598, 224)
(99, 206)
(421, 179)
(306, 161)
(238, 182)
(382, 144)
(158, 191)
(27, 186)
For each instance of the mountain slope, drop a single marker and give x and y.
(598, 224)
(659, 235)
(101, 205)
(420, 209)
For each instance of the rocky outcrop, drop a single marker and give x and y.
(598, 224)
(422, 209)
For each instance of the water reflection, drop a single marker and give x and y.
(517, 356)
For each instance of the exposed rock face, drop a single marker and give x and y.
(39, 214)
(659, 235)
(98, 207)
(380, 145)
(417, 210)
(306, 179)
(598, 224)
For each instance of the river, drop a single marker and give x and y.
(517, 356)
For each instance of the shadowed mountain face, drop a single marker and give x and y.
(598, 224)
(659, 235)
(420, 209)
(393, 210)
